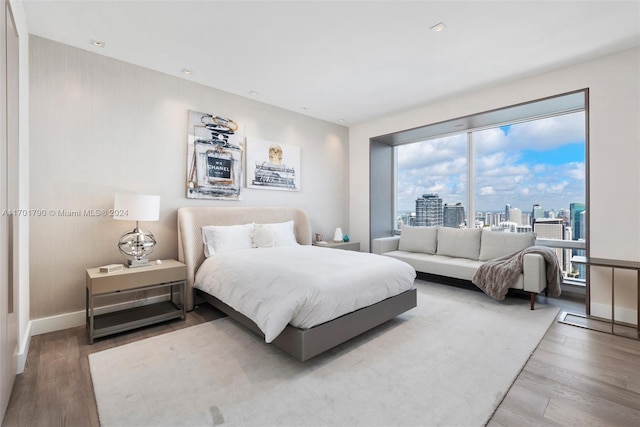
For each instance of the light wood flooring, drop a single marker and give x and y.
(576, 377)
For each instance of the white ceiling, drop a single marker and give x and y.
(343, 61)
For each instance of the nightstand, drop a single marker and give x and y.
(170, 275)
(349, 246)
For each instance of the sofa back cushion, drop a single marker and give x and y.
(496, 244)
(459, 242)
(418, 239)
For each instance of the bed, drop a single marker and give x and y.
(302, 343)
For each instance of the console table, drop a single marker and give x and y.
(613, 264)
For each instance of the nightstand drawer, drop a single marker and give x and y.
(128, 278)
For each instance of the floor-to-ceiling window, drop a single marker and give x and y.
(520, 174)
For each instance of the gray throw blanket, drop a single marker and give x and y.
(496, 276)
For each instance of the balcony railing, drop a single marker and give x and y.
(562, 244)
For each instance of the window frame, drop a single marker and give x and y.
(383, 204)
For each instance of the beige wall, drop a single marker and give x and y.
(614, 154)
(100, 126)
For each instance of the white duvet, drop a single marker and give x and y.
(301, 285)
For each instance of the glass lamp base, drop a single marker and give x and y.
(142, 262)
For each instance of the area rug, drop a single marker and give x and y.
(450, 361)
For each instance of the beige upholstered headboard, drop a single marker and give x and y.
(192, 219)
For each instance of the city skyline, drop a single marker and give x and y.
(566, 213)
(536, 162)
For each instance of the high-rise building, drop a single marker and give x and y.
(508, 227)
(507, 211)
(552, 228)
(428, 210)
(536, 212)
(576, 226)
(575, 209)
(491, 219)
(453, 215)
(549, 228)
(523, 229)
(515, 215)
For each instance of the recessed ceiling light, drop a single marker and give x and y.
(305, 108)
(98, 43)
(439, 27)
(340, 120)
(253, 92)
(187, 71)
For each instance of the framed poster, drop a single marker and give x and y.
(272, 166)
(214, 157)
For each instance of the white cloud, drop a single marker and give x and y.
(537, 135)
(503, 175)
(486, 191)
(432, 152)
(575, 171)
(558, 188)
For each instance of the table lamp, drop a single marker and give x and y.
(136, 244)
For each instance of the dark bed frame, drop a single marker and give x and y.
(302, 344)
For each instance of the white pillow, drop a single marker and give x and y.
(218, 239)
(496, 244)
(418, 239)
(283, 234)
(459, 242)
(263, 237)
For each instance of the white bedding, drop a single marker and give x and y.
(301, 285)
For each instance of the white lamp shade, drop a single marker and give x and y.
(136, 207)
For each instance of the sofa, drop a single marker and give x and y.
(458, 253)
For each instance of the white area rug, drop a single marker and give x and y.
(450, 361)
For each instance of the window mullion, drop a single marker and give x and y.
(471, 187)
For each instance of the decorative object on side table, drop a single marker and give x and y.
(110, 268)
(337, 237)
(136, 244)
(345, 238)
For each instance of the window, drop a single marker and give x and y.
(519, 175)
(430, 173)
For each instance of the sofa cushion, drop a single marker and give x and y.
(496, 244)
(418, 239)
(459, 242)
(460, 268)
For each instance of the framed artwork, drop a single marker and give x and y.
(214, 157)
(272, 166)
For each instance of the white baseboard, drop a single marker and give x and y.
(622, 314)
(74, 319)
(24, 349)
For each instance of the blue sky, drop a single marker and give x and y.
(541, 161)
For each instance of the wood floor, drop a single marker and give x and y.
(576, 377)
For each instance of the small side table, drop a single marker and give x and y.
(170, 275)
(348, 246)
